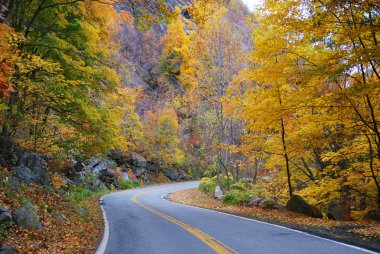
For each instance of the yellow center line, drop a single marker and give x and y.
(214, 244)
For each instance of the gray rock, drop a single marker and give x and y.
(218, 194)
(68, 182)
(138, 160)
(27, 217)
(109, 177)
(14, 183)
(24, 173)
(37, 164)
(299, 205)
(268, 203)
(5, 215)
(61, 217)
(118, 156)
(172, 174)
(152, 168)
(138, 170)
(7, 250)
(100, 168)
(93, 163)
(83, 212)
(254, 201)
(124, 176)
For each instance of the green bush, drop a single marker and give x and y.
(236, 198)
(207, 184)
(238, 186)
(128, 184)
(78, 193)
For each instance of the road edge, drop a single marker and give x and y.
(166, 195)
(103, 243)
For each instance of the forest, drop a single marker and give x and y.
(284, 98)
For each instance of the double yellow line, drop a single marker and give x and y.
(217, 246)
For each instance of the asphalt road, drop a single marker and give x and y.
(140, 221)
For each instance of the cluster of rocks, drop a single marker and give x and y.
(32, 168)
(25, 217)
(142, 168)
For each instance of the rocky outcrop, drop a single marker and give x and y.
(176, 175)
(299, 205)
(109, 177)
(118, 156)
(37, 164)
(139, 164)
(24, 174)
(5, 215)
(27, 217)
(32, 167)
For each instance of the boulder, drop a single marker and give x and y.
(124, 176)
(338, 213)
(70, 170)
(93, 163)
(68, 182)
(152, 167)
(27, 217)
(118, 156)
(172, 174)
(138, 161)
(254, 201)
(61, 217)
(109, 177)
(14, 183)
(100, 168)
(37, 164)
(299, 205)
(218, 194)
(373, 215)
(267, 203)
(5, 215)
(7, 250)
(138, 170)
(83, 212)
(24, 174)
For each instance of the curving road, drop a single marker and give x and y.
(140, 221)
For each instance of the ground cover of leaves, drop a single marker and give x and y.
(67, 230)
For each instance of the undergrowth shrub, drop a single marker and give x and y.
(77, 194)
(236, 198)
(128, 184)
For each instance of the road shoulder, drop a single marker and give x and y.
(344, 232)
